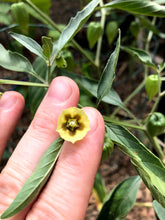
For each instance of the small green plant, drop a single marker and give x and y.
(96, 79)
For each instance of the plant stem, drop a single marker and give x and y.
(37, 77)
(158, 149)
(99, 44)
(149, 37)
(144, 204)
(14, 82)
(135, 92)
(156, 146)
(49, 21)
(128, 125)
(49, 72)
(83, 52)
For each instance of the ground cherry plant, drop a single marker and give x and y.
(96, 73)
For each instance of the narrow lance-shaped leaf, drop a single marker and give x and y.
(74, 25)
(140, 55)
(147, 23)
(149, 167)
(29, 43)
(145, 7)
(108, 74)
(36, 181)
(120, 200)
(90, 86)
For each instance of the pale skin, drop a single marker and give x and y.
(67, 193)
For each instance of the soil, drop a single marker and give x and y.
(118, 166)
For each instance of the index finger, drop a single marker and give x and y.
(63, 93)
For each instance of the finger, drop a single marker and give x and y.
(67, 193)
(11, 107)
(63, 93)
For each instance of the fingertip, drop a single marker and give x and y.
(11, 107)
(11, 100)
(61, 88)
(96, 120)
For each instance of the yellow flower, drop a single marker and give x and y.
(73, 124)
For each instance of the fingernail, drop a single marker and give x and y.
(60, 90)
(7, 101)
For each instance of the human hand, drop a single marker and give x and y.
(67, 192)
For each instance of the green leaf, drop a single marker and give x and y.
(160, 211)
(120, 200)
(14, 61)
(29, 43)
(36, 181)
(148, 24)
(107, 148)
(149, 167)
(75, 24)
(99, 188)
(140, 55)
(108, 74)
(90, 86)
(47, 46)
(44, 5)
(145, 7)
(94, 31)
(37, 94)
(5, 18)
(4, 8)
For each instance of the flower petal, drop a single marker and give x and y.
(82, 119)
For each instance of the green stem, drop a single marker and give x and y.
(144, 204)
(128, 125)
(49, 72)
(81, 4)
(83, 52)
(14, 82)
(162, 94)
(155, 145)
(149, 37)
(135, 92)
(49, 21)
(99, 44)
(158, 149)
(37, 77)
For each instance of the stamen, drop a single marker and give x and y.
(72, 124)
